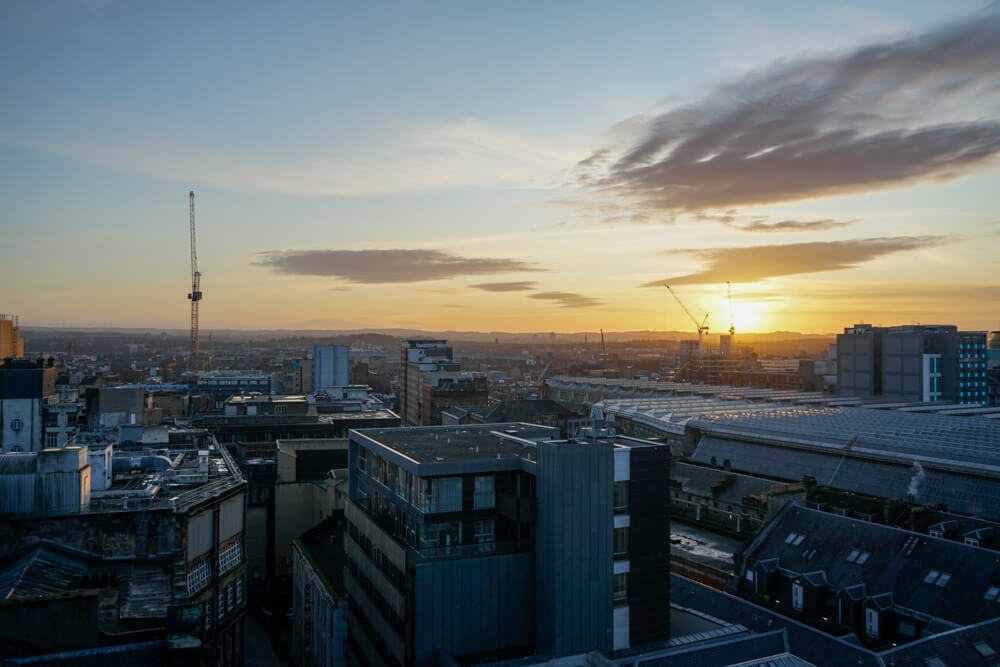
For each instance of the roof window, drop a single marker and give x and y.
(858, 556)
(939, 579)
(992, 592)
(984, 649)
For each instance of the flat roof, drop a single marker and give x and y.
(433, 444)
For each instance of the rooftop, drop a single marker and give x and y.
(439, 444)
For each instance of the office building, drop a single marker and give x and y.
(331, 367)
(501, 540)
(11, 344)
(220, 385)
(418, 357)
(928, 363)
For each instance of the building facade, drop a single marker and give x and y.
(918, 363)
(11, 343)
(26, 387)
(418, 357)
(476, 541)
(331, 366)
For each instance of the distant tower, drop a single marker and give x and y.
(195, 294)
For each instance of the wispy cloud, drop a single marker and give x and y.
(790, 225)
(883, 116)
(568, 299)
(385, 266)
(519, 286)
(461, 155)
(746, 265)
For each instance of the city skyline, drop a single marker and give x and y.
(509, 168)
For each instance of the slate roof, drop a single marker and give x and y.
(726, 486)
(913, 567)
(40, 571)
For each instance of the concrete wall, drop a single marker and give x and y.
(472, 605)
(574, 547)
(298, 507)
(327, 628)
(331, 366)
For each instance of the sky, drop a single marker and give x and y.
(513, 166)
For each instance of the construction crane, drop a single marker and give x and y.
(732, 319)
(195, 294)
(702, 328)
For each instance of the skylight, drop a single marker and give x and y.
(992, 592)
(943, 580)
(863, 558)
(798, 540)
(984, 649)
(853, 556)
(931, 576)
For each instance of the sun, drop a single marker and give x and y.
(747, 316)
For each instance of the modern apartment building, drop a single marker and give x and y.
(500, 540)
(417, 359)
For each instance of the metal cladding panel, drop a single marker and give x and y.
(17, 493)
(201, 529)
(649, 545)
(231, 517)
(573, 549)
(472, 605)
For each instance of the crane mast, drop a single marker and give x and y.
(195, 294)
(732, 319)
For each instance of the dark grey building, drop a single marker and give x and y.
(927, 363)
(499, 540)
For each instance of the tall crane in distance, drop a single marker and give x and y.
(195, 294)
(702, 328)
(732, 319)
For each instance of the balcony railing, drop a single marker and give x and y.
(428, 554)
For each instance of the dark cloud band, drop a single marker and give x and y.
(882, 116)
(744, 265)
(386, 266)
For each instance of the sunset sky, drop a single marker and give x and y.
(514, 166)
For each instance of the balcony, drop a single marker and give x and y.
(431, 554)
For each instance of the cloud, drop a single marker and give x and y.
(759, 225)
(461, 155)
(568, 299)
(520, 286)
(385, 266)
(744, 265)
(921, 108)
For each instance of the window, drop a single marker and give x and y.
(230, 557)
(51, 439)
(797, 596)
(621, 497)
(621, 543)
(798, 540)
(871, 622)
(239, 590)
(442, 494)
(859, 557)
(794, 539)
(943, 580)
(229, 597)
(992, 592)
(484, 497)
(362, 459)
(984, 649)
(620, 589)
(199, 576)
(484, 535)
(222, 604)
(446, 534)
(208, 615)
(931, 576)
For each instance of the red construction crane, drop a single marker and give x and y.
(195, 294)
